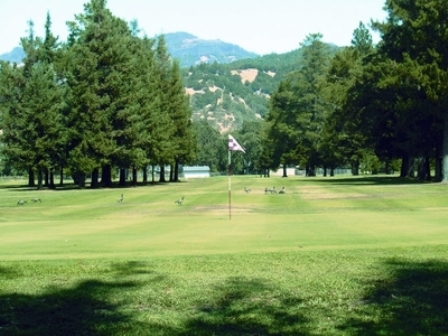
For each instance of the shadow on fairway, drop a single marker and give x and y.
(82, 310)
(7, 273)
(99, 307)
(412, 301)
(244, 307)
(85, 308)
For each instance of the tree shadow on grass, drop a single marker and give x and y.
(7, 273)
(412, 301)
(86, 308)
(92, 307)
(82, 310)
(244, 307)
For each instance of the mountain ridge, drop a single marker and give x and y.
(189, 49)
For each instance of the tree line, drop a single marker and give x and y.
(369, 106)
(106, 98)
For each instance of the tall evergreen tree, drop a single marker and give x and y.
(32, 122)
(298, 108)
(164, 147)
(180, 114)
(344, 140)
(12, 118)
(99, 69)
(415, 33)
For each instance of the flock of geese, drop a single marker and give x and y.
(34, 200)
(179, 201)
(268, 190)
(274, 191)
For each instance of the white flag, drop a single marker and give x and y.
(234, 146)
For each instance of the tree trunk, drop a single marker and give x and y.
(134, 176)
(332, 171)
(61, 177)
(162, 173)
(51, 184)
(438, 165)
(325, 170)
(445, 149)
(407, 166)
(31, 177)
(176, 171)
(285, 172)
(106, 176)
(424, 169)
(310, 170)
(355, 168)
(39, 179)
(79, 178)
(152, 174)
(94, 180)
(145, 175)
(428, 168)
(122, 181)
(421, 173)
(47, 182)
(171, 173)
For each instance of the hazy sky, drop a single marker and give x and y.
(260, 26)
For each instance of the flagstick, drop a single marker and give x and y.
(230, 184)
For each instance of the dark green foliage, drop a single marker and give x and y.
(105, 99)
(98, 71)
(32, 121)
(209, 149)
(414, 38)
(298, 109)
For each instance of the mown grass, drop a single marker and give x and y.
(345, 256)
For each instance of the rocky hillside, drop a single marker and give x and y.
(228, 94)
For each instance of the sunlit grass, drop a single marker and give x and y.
(349, 256)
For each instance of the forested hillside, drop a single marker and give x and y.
(228, 94)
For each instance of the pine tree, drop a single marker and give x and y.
(298, 109)
(344, 138)
(164, 146)
(180, 114)
(32, 122)
(415, 33)
(99, 68)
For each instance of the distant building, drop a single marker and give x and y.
(196, 171)
(289, 172)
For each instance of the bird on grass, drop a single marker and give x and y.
(180, 200)
(21, 202)
(120, 199)
(247, 190)
(37, 199)
(282, 191)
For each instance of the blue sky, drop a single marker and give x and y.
(260, 26)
